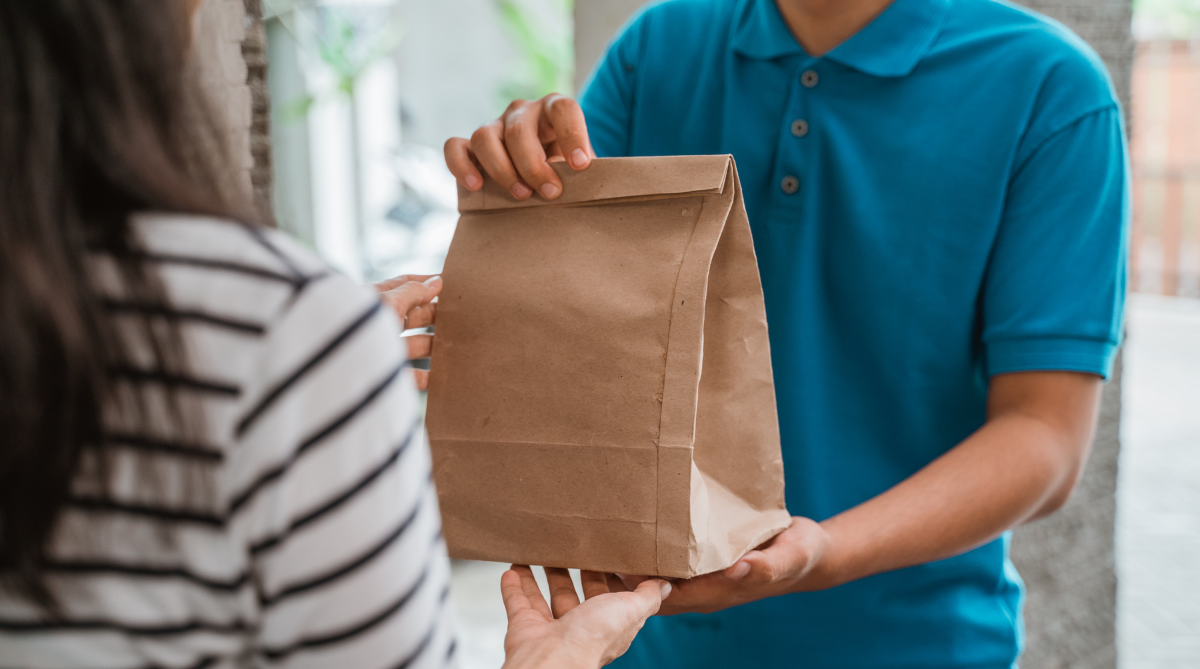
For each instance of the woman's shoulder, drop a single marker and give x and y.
(234, 265)
(260, 309)
(223, 243)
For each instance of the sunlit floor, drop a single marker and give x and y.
(1158, 493)
(1158, 536)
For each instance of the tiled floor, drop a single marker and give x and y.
(1158, 498)
(1158, 540)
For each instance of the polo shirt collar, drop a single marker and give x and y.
(889, 46)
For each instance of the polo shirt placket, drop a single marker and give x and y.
(795, 155)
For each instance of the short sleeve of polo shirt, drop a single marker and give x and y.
(1054, 291)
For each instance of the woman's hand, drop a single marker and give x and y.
(516, 149)
(796, 560)
(411, 297)
(567, 634)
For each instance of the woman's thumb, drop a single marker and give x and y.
(651, 594)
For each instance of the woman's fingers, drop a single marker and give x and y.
(412, 300)
(532, 592)
(570, 129)
(650, 595)
(421, 376)
(411, 297)
(563, 597)
(458, 159)
(515, 600)
(594, 583)
(622, 615)
(421, 316)
(419, 346)
(397, 281)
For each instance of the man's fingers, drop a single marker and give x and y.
(458, 159)
(632, 581)
(756, 568)
(515, 600)
(419, 346)
(526, 152)
(421, 376)
(594, 583)
(615, 584)
(570, 130)
(706, 593)
(738, 570)
(512, 150)
(563, 597)
(488, 146)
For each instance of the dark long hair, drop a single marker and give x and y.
(100, 116)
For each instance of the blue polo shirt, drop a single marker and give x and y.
(940, 199)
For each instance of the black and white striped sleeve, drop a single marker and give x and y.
(330, 490)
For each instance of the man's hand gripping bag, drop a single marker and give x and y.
(601, 393)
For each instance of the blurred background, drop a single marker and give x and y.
(363, 93)
(1165, 146)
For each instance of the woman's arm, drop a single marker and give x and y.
(332, 492)
(567, 634)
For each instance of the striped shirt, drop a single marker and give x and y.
(316, 541)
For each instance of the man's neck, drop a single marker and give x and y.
(821, 25)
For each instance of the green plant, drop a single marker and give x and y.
(547, 54)
(346, 42)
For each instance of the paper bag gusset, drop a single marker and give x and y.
(601, 393)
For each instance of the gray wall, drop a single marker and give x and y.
(595, 23)
(1067, 559)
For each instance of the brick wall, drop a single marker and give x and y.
(230, 47)
(254, 51)
(1165, 245)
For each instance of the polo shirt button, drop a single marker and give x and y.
(799, 127)
(790, 184)
(809, 78)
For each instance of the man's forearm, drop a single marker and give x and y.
(1020, 465)
(1016, 468)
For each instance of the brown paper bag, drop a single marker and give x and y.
(601, 393)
